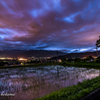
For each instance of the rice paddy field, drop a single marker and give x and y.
(29, 83)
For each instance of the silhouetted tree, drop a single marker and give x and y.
(98, 59)
(88, 58)
(77, 59)
(70, 60)
(97, 45)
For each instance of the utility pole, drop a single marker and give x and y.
(97, 51)
(57, 65)
(57, 56)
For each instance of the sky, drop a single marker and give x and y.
(66, 25)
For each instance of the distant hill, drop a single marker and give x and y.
(76, 55)
(29, 53)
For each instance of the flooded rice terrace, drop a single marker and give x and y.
(29, 83)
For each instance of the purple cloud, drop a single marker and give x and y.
(49, 25)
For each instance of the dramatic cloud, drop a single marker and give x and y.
(72, 25)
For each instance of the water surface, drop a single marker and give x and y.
(33, 82)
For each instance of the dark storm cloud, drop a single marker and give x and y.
(49, 24)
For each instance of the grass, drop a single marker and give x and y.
(82, 64)
(31, 65)
(78, 64)
(75, 92)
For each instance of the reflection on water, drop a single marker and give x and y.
(34, 82)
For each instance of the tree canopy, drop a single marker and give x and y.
(98, 42)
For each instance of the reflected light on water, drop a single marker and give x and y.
(34, 82)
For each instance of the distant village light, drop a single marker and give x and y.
(2, 58)
(6, 58)
(22, 59)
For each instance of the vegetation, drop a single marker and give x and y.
(82, 64)
(30, 65)
(77, 59)
(89, 58)
(2, 63)
(75, 92)
(65, 63)
(98, 59)
(97, 44)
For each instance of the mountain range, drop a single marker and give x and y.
(44, 53)
(29, 53)
(76, 55)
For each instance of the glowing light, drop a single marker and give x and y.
(6, 58)
(2, 58)
(22, 59)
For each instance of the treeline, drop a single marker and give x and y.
(87, 59)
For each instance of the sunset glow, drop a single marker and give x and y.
(72, 25)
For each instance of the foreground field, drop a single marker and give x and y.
(79, 91)
(74, 92)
